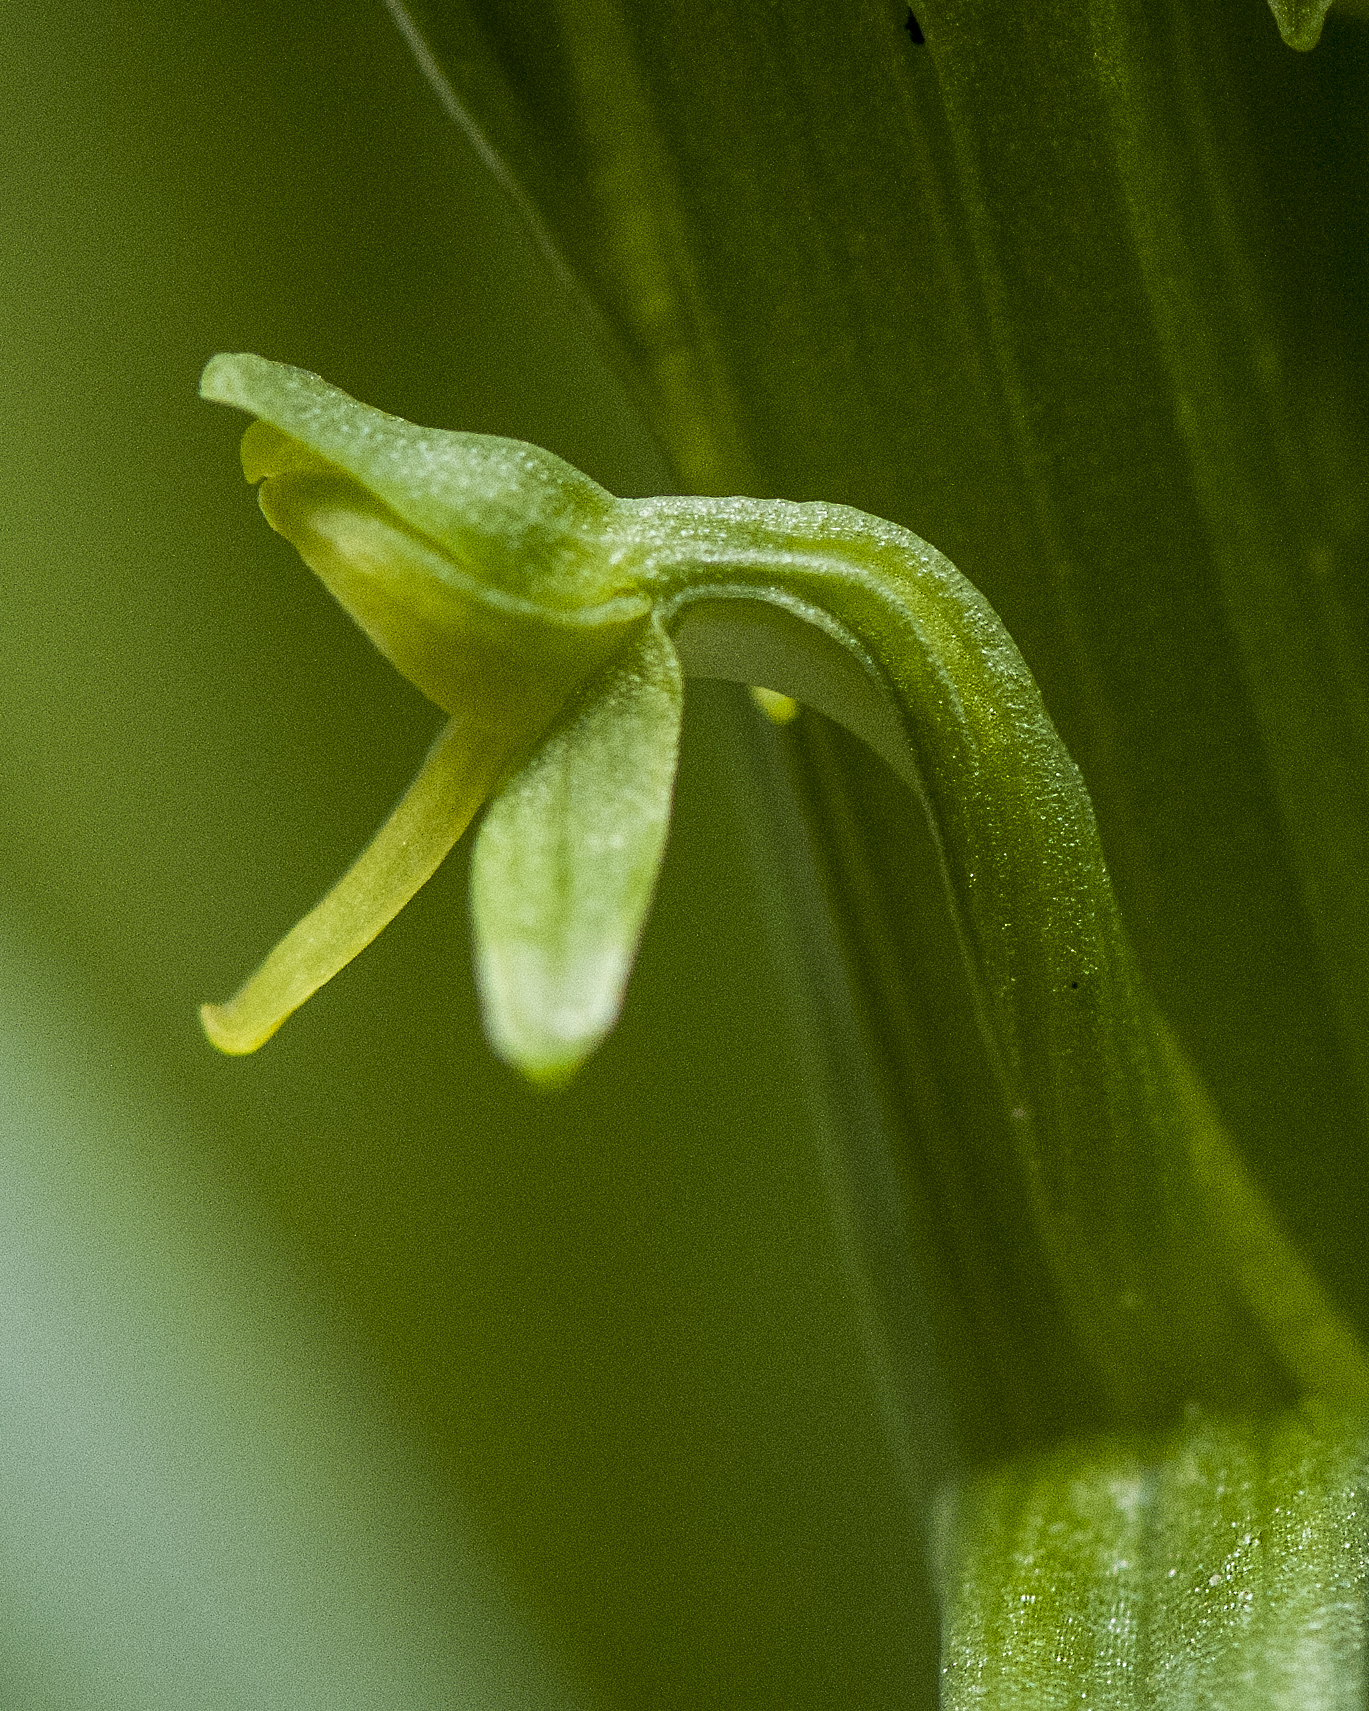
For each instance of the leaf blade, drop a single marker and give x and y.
(1225, 1565)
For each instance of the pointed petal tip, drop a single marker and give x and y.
(543, 1016)
(452, 782)
(255, 383)
(266, 451)
(548, 1061)
(779, 709)
(1300, 21)
(565, 864)
(551, 1075)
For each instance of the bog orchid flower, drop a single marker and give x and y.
(550, 621)
(553, 624)
(473, 565)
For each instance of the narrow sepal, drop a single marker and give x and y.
(451, 784)
(566, 862)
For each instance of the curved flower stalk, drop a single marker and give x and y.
(553, 623)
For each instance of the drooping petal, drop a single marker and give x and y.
(566, 863)
(451, 784)
(1300, 21)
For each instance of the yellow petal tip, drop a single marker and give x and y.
(217, 1022)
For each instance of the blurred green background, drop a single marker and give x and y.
(357, 1374)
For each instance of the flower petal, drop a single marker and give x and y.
(514, 518)
(566, 863)
(451, 784)
(474, 652)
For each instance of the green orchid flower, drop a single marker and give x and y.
(551, 622)
(554, 623)
(473, 565)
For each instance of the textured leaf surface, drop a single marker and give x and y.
(1228, 1567)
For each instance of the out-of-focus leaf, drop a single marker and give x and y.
(619, 1322)
(204, 1503)
(568, 108)
(1226, 1566)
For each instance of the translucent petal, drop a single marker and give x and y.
(566, 863)
(469, 650)
(408, 849)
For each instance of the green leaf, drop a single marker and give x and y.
(1052, 289)
(1225, 1566)
(566, 862)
